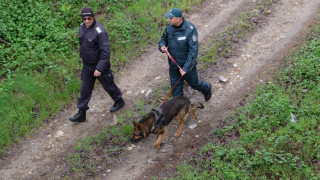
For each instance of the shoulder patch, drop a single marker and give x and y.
(194, 38)
(98, 29)
(191, 27)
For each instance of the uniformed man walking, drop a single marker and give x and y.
(180, 39)
(95, 55)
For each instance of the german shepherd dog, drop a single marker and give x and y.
(157, 120)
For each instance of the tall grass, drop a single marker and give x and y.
(276, 135)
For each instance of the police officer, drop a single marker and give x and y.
(95, 55)
(180, 39)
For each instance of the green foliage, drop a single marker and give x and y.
(270, 143)
(140, 106)
(36, 78)
(32, 33)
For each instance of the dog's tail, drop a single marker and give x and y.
(197, 105)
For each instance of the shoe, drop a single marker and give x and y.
(79, 117)
(207, 95)
(117, 105)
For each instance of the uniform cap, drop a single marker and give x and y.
(87, 12)
(174, 12)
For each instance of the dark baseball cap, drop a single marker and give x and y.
(87, 12)
(174, 12)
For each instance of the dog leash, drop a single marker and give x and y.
(172, 59)
(177, 81)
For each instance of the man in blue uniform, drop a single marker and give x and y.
(95, 55)
(180, 39)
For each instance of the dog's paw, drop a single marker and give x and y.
(157, 146)
(177, 134)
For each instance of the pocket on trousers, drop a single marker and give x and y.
(108, 78)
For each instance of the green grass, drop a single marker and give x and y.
(263, 141)
(26, 102)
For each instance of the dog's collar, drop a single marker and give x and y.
(157, 112)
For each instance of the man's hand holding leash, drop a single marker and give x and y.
(164, 49)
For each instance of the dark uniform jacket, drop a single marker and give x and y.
(94, 46)
(182, 44)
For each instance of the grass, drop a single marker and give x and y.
(263, 140)
(26, 103)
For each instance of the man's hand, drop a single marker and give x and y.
(97, 73)
(182, 72)
(163, 49)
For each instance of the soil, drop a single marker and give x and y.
(256, 61)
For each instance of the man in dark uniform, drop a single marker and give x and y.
(95, 55)
(180, 39)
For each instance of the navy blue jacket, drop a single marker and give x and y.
(182, 44)
(95, 46)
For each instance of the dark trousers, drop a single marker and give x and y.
(191, 78)
(87, 84)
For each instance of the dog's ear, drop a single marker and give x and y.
(134, 123)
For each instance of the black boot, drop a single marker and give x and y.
(208, 94)
(79, 117)
(117, 105)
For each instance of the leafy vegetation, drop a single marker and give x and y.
(36, 77)
(276, 135)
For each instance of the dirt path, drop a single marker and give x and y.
(261, 53)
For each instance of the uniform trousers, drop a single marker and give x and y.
(106, 79)
(191, 78)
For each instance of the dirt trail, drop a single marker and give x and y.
(44, 149)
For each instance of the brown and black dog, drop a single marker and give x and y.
(157, 120)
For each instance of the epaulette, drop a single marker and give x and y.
(98, 30)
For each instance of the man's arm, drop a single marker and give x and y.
(104, 49)
(163, 43)
(193, 50)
